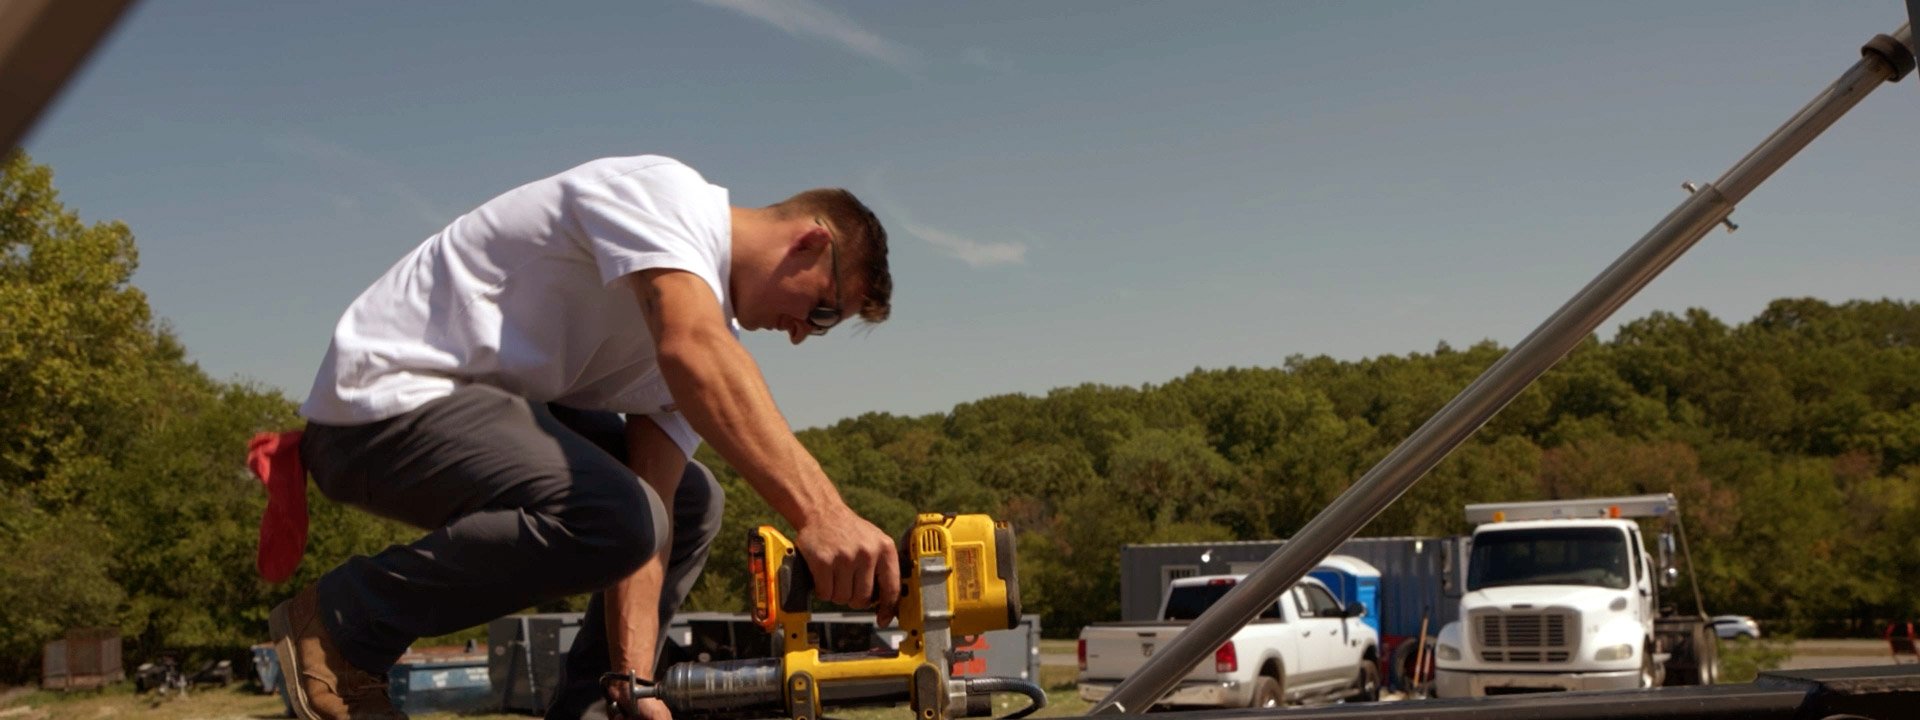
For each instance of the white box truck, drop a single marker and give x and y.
(1563, 595)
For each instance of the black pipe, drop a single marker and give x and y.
(985, 687)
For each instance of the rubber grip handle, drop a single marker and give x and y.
(796, 585)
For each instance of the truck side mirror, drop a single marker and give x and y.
(1668, 573)
(1356, 610)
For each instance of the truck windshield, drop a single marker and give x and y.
(1187, 602)
(1549, 556)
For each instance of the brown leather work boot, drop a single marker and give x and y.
(320, 682)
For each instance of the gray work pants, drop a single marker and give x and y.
(524, 503)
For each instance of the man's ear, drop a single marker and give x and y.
(813, 238)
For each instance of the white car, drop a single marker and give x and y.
(1731, 627)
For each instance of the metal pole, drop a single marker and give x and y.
(42, 44)
(1496, 387)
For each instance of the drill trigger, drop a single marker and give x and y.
(796, 585)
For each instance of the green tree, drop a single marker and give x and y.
(1174, 476)
(73, 340)
(53, 576)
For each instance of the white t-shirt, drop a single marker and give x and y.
(522, 294)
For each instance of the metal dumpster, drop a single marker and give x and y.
(527, 652)
(435, 680)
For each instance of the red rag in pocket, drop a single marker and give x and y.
(275, 459)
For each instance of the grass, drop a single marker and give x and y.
(1740, 661)
(236, 702)
(241, 702)
(1743, 660)
(119, 700)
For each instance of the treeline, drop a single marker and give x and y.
(1793, 440)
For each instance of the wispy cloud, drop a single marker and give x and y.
(809, 19)
(975, 253)
(366, 171)
(970, 251)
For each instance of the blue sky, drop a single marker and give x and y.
(1108, 192)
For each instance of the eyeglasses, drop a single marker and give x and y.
(823, 317)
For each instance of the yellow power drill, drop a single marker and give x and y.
(957, 580)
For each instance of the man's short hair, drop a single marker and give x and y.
(863, 243)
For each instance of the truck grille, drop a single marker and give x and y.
(1530, 637)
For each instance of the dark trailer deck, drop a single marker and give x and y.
(1889, 692)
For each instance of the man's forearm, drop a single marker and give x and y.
(723, 396)
(633, 619)
(720, 391)
(633, 604)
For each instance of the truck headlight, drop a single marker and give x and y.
(1448, 652)
(1614, 652)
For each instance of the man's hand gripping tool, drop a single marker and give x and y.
(958, 580)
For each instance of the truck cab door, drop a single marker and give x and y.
(1323, 636)
(1282, 628)
(1646, 595)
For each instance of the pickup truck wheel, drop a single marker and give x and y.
(1369, 683)
(1266, 693)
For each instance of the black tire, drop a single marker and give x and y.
(1400, 668)
(1267, 693)
(1709, 659)
(1367, 685)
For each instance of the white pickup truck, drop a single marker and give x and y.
(1304, 648)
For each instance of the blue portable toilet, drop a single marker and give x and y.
(1352, 580)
